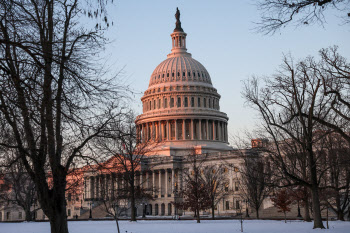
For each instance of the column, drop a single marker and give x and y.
(153, 132)
(200, 129)
(153, 183)
(175, 129)
(183, 129)
(192, 130)
(172, 180)
(141, 180)
(147, 181)
(160, 131)
(207, 129)
(214, 130)
(160, 183)
(166, 183)
(168, 130)
(143, 133)
(226, 133)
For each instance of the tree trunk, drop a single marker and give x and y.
(132, 201)
(28, 215)
(116, 220)
(285, 217)
(58, 221)
(307, 217)
(257, 213)
(341, 216)
(316, 208)
(213, 211)
(198, 218)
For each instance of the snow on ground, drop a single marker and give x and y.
(184, 226)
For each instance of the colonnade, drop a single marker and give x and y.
(160, 183)
(183, 129)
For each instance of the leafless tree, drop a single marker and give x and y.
(54, 98)
(126, 153)
(215, 181)
(276, 14)
(288, 105)
(194, 194)
(255, 180)
(18, 189)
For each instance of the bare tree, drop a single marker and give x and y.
(126, 153)
(18, 189)
(53, 97)
(276, 14)
(194, 194)
(288, 105)
(255, 180)
(215, 181)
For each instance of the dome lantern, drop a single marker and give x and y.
(178, 39)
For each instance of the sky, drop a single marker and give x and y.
(221, 36)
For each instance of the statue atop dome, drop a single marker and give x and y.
(178, 22)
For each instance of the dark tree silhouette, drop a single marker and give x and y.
(54, 98)
(276, 14)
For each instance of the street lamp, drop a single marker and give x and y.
(299, 215)
(246, 208)
(90, 216)
(175, 199)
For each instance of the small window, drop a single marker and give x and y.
(159, 103)
(178, 102)
(205, 102)
(227, 205)
(237, 205)
(167, 74)
(199, 102)
(165, 103)
(154, 104)
(209, 103)
(172, 75)
(199, 74)
(189, 74)
(183, 74)
(186, 102)
(226, 187)
(194, 74)
(172, 102)
(192, 102)
(178, 73)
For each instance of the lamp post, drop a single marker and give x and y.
(90, 216)
(175, 202)
(299, 215)
(246, 208)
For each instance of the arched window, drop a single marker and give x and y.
(165, 103)
(186, 102)
(205, 102)
(178, 102)
(192, 102)
(209, 103)
(172, 102)
(199, 102)
(169, 209)
(154, 104)
(150, 105)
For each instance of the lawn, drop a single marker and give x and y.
(183, 226)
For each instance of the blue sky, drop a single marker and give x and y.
(220, 35)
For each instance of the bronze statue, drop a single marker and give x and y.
(178, 23)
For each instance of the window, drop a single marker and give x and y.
(172, 75)
(186, 102)
(165, 103)
(179, 130)
(172, 130)
(69, 196)
(172, 102)
(187, 129)
(19, 215)
(209, 103)
(69, 212)
(235, 169)
(159, 103)
(167, 74)
(199, 74)
(192, 102)
(236, 186)
(199, 102)
(178, 73)
(8, 215)
(150, 105)
(183, 74)
(178, 102)
(226, 187)
(205, 102)
(237, 205)
(189, 74)
(154, 104)
(227, 206)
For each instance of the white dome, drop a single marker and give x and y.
(179, 69)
